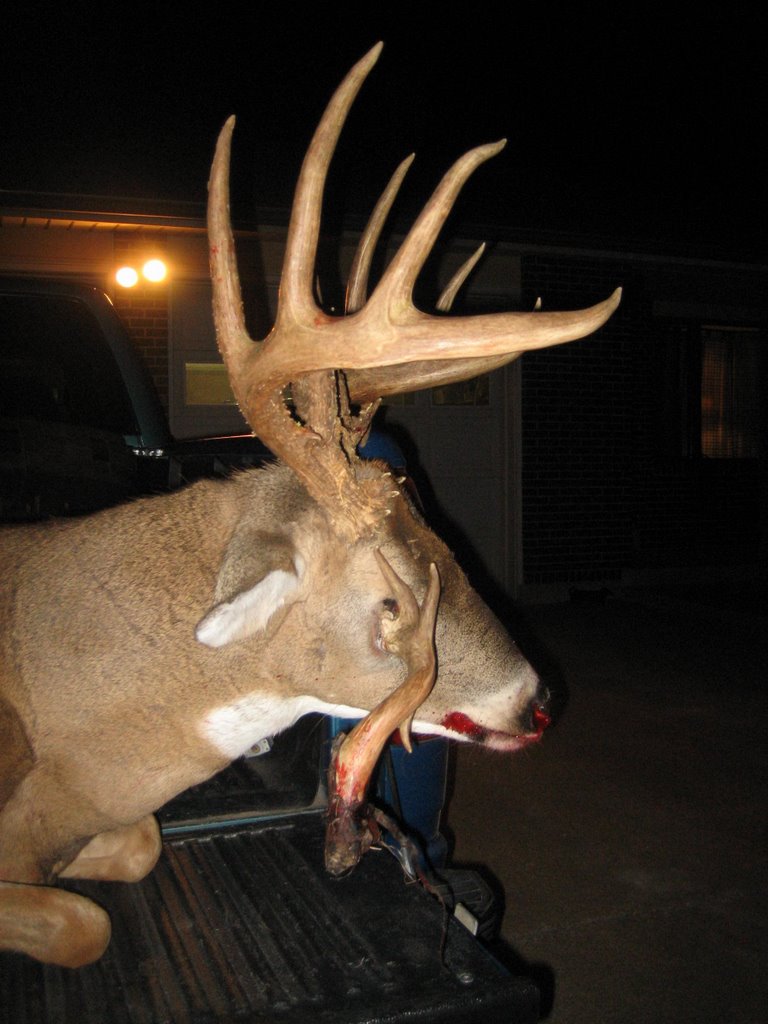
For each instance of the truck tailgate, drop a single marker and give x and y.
(246, 925)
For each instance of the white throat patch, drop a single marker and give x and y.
(234, 728)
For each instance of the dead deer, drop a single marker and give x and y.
(144, 648)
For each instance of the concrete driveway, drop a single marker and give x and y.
(631, 844)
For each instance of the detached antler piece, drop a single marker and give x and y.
(409, 633)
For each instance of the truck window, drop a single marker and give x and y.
(55, 366)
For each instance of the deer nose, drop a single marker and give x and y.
(538, 710)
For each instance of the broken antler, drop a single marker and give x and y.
(409, 634)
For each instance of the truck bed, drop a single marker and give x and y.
(245, 925)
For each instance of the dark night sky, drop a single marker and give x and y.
(650, 129)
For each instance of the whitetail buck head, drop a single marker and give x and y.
(144, 648)
(338, 369)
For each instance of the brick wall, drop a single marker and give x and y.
(144, 308)
(602, 492)
(579, 422)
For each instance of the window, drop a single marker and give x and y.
(56, 367)
(730, 393)
(207, 383)
(707, 391)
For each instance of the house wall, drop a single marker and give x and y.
(609, 496)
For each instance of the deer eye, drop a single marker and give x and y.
(391, 607)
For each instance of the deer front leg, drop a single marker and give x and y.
(52, 925)
(124, 854)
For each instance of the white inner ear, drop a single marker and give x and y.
(249, 612)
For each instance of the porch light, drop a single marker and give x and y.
(154, 270)
(126, 277)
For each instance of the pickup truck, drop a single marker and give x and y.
(239, 920)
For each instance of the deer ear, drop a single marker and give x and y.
(249, 612)
(259, 574)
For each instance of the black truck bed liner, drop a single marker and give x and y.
(246, 925)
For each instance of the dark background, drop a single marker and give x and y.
(651, 127)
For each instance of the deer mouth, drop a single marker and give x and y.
(457, 725)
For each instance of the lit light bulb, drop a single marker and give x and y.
(126, 277)
(154, 270)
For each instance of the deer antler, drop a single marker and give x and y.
(384, 346)
(411, 636)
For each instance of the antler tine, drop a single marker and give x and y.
(450, 291)
(357, 287)
(296, 300)
(396, 286)
(235, 344)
